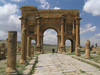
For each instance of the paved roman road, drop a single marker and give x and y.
(61, 64)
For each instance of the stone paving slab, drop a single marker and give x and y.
(88, 61)
(61, 64)
(28, 68)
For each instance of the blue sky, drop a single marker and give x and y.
(89, 12)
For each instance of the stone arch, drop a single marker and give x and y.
(42, 30)
(72, 44)
(56, 48)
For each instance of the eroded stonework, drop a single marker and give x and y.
(65, 22)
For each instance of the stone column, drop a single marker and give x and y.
(32, 50)
(92, 46)
(42, 44)
(73, 28)
(96, 45)
(77, 19)
(77, 50)
(0, 52)
(6, 46)
(23, 46)
(59, 43)
(87, 54)
(29, 47)
(71, 47)
(38, 34)
(62, 33)
(11, 53)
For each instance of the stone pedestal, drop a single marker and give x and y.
(87, 51)
(77, 51)
(96, 45)
(23, 60)
(11, 53)
(62, 49)
(98, 51)
(32, 50)
(38, 49)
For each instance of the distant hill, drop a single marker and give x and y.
(4, 41)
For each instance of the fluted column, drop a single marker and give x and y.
(29, 47)
(38, 33)
(62, 33)
(58, 43)
(73, 27)
(23, 60)
(77, 19)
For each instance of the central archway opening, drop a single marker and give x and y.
(69, 45)
(50, 41)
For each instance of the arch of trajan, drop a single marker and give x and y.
(35, 21)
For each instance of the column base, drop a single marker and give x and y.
(23, 62)
(37, 49)
(62, 49)
(11, 71)
(28, 57)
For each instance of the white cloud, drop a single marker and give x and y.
(17, 0)
(50, 37)
(92, 6)
(56, 7)
(93, 40)
(44, 4)
(9, 20)
(67, 43)
(3, 1)
(87, 27)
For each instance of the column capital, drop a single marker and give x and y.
(62, 16)
(77, 18)
(24, 29)
(41, 35)
(22, 18)
(58, 35)
(29, 37)
(38, 16)
(38, 19)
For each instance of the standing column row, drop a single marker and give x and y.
(23, 41)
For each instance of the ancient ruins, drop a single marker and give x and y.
(65, 22)
(87, 55)
(11, 53)
(33, 24)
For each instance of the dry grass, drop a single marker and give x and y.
(3, 65)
